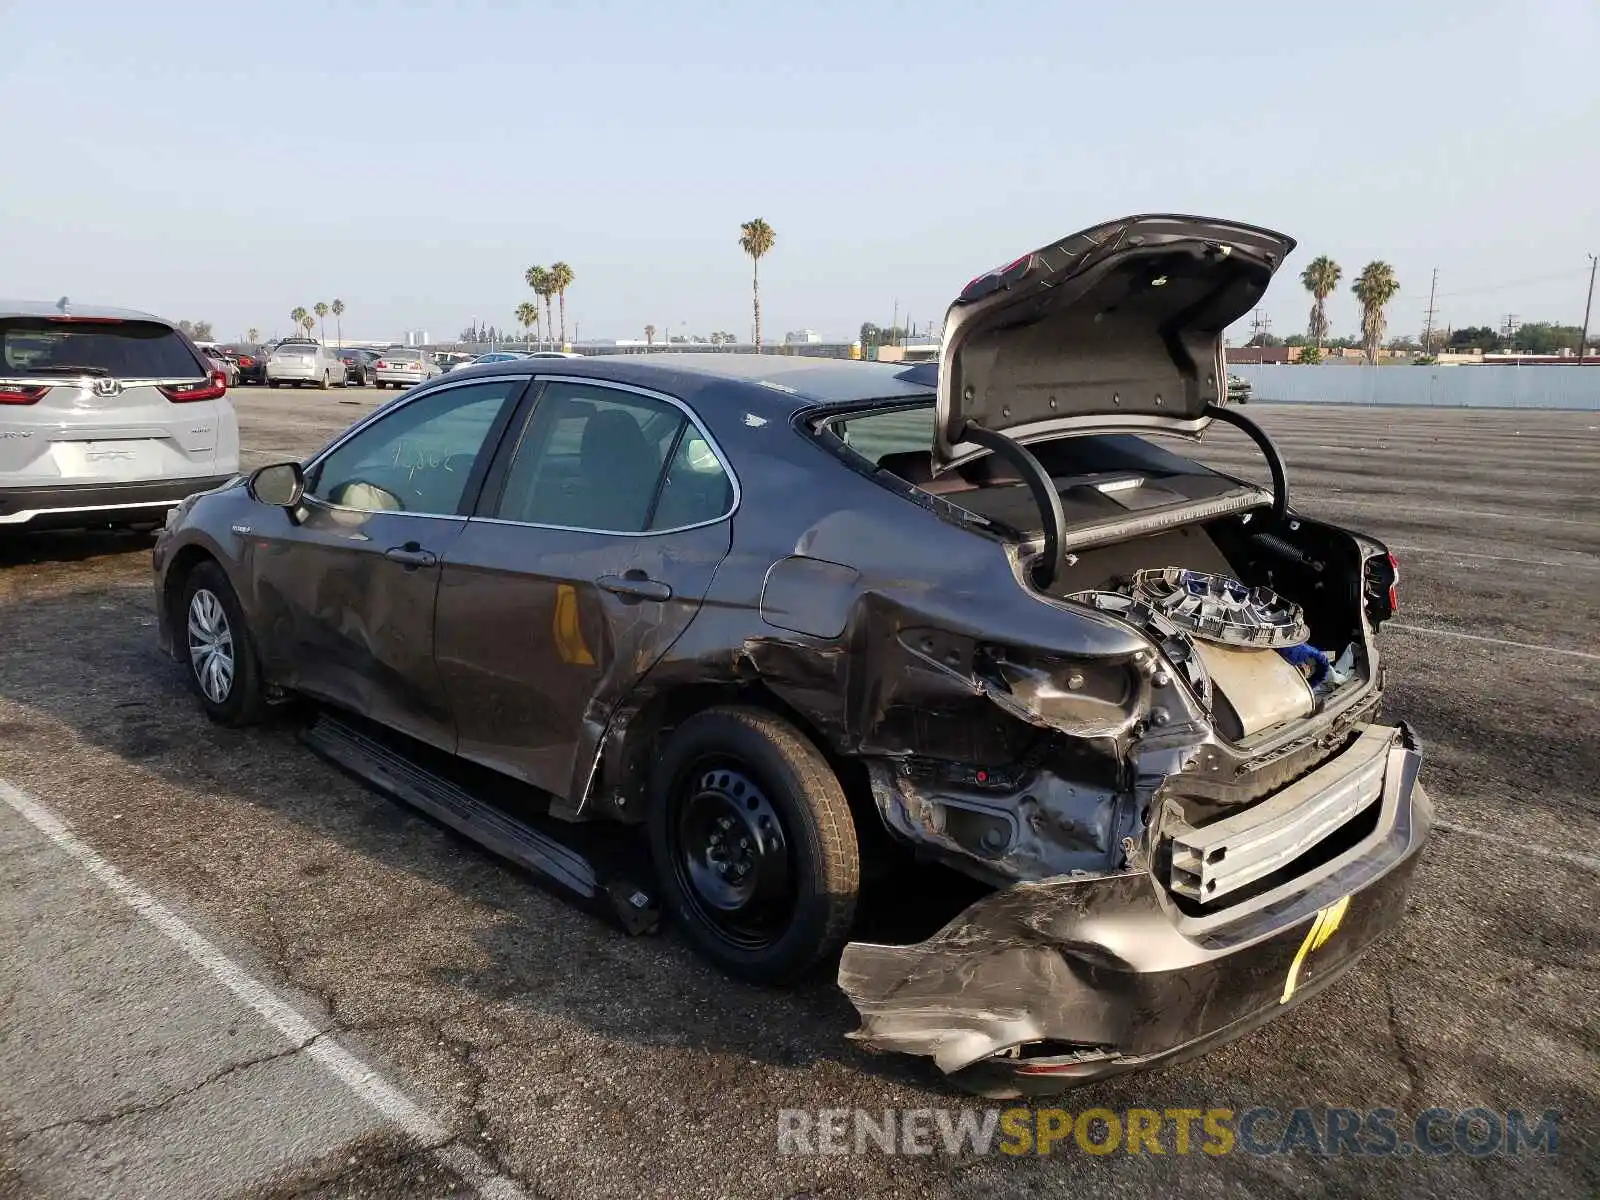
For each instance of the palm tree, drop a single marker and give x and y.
(321, 310)
(649, 335)
(252, 335)
(1320, 277)
(337, 309)
(1374, 287)
(539, 280)
(560, 281)
(309, 321)
(298, 316)
(528, 315)
(755, 239)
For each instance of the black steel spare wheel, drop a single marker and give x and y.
(754, 843)
(731, 856)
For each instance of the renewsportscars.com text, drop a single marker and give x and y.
(1326, 1132)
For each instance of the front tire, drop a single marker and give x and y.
(212, 633)
(327, 382)
(754, 843)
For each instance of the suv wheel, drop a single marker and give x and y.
(754, 843)
(222, 657)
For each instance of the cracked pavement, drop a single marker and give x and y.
(581, 1063)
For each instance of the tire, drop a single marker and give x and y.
(728, 776)
(327, 382)
(272, 383)
(210, 613)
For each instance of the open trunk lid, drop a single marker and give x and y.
(1118, 326)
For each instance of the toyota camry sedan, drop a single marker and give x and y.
(810, 631)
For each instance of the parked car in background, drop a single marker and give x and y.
(554, 354)
(494, 356)
(251, 361)
(224, 362)
(402, 368)
(449, 362)
(1238, 389)
(299, 361)
(358, 363)
(107, 416)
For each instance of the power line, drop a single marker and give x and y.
(1498, 287)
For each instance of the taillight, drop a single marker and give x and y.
(379, 365)
(1381, 587)
(208, 389)
(246, 361)
(15, 394)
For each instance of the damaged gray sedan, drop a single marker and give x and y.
(963, 638)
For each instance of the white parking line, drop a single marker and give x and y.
(1406, 507)
(344, 1066)
(1594, 560)
(1587, 861)
(1493, 641)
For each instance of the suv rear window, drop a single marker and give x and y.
(121, 349)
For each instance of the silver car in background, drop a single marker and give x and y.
(107, 416)
(300, 361)
(402, 368)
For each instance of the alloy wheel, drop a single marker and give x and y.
(210, 646)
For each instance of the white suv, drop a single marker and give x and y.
(107, 416)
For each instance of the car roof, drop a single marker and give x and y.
(53, 308)
(797, 377)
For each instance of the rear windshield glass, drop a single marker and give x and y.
(121, 349)
(402, 355)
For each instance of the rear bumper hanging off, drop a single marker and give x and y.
(1047, 985)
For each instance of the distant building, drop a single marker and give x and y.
(417, 337)
(802, 337)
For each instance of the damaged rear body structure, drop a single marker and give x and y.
(1165, 810)
(1133, 700)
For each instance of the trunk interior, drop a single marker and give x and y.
(1107, 480)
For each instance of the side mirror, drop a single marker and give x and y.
(280, 484)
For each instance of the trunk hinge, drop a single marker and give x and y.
(1280, 477)
(1044, 492)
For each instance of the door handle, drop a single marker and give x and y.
(634, 586)
(411, 556)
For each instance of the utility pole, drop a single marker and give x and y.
(1260, 326)
(1509, 327)
(1583, 338)
(1427, 319)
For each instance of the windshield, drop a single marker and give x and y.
(120, 349)
(402, 356)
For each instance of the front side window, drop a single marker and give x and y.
(598, 458)
(416, 458)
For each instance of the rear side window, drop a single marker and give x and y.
(120, 349)
(602, 459)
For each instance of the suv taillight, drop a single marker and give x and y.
(212, 389)
(15, 394)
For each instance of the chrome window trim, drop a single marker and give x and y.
(371, 419)
(692, 417)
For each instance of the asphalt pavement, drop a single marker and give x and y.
(226, 969)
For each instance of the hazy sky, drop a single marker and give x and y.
(230, 160)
